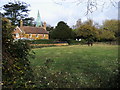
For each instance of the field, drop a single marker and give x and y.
(90, 66)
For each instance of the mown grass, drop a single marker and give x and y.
(89, 65)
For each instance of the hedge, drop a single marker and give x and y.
(45, 41)
(74, 42)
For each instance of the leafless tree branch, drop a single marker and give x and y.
(91, 5)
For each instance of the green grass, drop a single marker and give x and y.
(90, 65)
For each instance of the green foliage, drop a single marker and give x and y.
(41, 46)
(16, 70)
(43, 41)
(89, 22)
(17, 10)
(28, 21)
(62, 32)
(106, 35)
(74, 42)
(111, 25)
(87, 32)
(78, 23)
(49, 28)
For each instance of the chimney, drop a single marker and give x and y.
(21, 23)
(44, 25)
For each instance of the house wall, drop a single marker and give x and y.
(29, 36)
(32, 36)
(37, 36)
(17, 31)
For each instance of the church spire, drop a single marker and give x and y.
(38, 21)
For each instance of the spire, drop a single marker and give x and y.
(38, 21)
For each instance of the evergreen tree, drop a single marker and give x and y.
(15, 11)
(62, 31)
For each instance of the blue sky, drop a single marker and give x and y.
(53, 11)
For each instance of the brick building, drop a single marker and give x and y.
(29, 32)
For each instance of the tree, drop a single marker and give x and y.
(49, 28)
(111, 25)
(15, 11)
(78, 23)
(62, 31)
(89, 22)
(87, 32)
(15, 64)
(86, 29)
(28, 21)
(106, 35)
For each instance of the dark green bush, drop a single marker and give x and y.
(16, 70)
(42, 41)
(42, 46)
(74, 42)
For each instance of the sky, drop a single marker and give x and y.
(69, 11)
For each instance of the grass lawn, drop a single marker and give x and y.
(90, 65)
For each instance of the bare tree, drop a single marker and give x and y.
(91, 5)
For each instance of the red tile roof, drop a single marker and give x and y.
(33, 30)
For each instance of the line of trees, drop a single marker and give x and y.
(106, 32)
(86, 30)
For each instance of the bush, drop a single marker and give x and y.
(42, 41)
(74, 42)
(16, 70)
(42, 46)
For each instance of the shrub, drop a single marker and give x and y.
(17, 72)
(42, 41)
(42, 46)
(74, 42)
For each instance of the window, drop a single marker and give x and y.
(14, 35)
(30, 35)
(43, 35)
(37, 35)
(17, 34)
